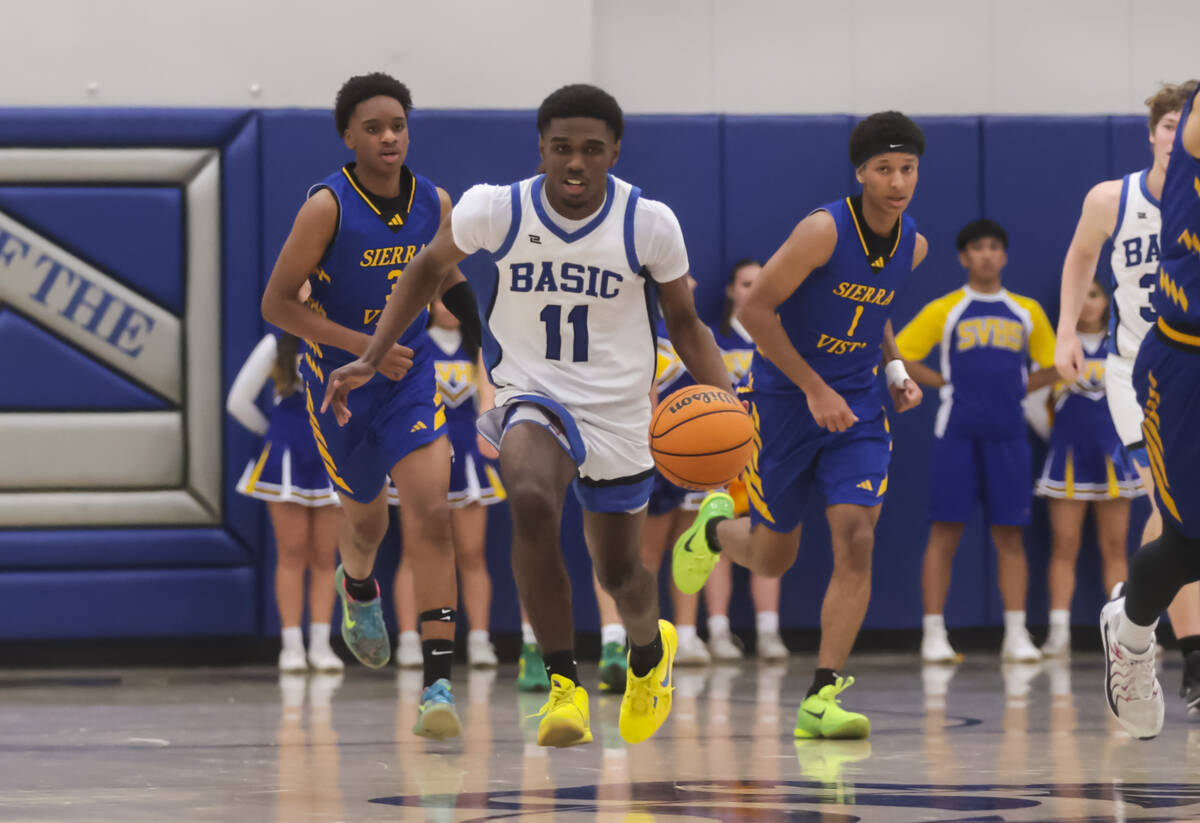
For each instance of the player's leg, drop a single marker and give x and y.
(944, 538)
(537, 471)
(422, 481)
(613, 642)
(1066, 530)
(290, 524)
(469, 527)
(1112, 532)
(852, 528)
(363, 628)
(323, 526)
(764, 593)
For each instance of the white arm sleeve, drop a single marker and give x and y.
(482, 218)
(659, 241)
(249, 382)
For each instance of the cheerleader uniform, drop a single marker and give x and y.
(473, 477)
(288, 469)
(1086, 460)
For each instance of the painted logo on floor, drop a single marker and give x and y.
(788, 801)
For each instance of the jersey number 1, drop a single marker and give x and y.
(858, 311)
(577, 317)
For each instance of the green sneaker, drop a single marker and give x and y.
(531, 670)
(692, 561)
(820, 715)
(614, 661)
(363, 628)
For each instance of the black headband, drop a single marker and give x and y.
(882, 144)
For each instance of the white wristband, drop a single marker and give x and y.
(896, 373)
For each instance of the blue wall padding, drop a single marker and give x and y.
(129, 603)
(45, 373)
(133, 234)
(739, 185)
(241, 322)
(47, 549)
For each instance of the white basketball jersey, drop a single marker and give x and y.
(571, 315)
(1135, 258)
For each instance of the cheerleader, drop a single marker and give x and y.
(737, 348)
(289, 474)
(474, 485)
(1085, 465)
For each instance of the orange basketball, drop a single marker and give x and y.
(701, 437)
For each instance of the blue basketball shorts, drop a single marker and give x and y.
(965, 470)
(389, 420)
(1166, 375)
(793, 456)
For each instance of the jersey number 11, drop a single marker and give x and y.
(577, 317)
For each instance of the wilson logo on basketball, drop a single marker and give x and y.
(700, 397)
(701, 437)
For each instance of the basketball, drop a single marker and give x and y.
(701, 437)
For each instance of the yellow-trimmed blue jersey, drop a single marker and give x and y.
(986, 343)
(1176, 299)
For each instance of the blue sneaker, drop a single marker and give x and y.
(437, 718)
(363, 628)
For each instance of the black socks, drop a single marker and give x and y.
(643, 659)
(361, 590)
(562, 664)
(438, 654)
(821, 679)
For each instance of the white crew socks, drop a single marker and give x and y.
(767, 622)
(1060, 620)
(478, 636)
(1014, 622)
(686, 633)
(718, 624)
(293, 639)
(933, 624)
(318, 635)
(612, 633)
(527, 635)
(1137, 639)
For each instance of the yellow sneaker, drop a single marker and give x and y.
(647, 700)
(565, 716)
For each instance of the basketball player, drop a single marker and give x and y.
(819, 314)
(1127, 212)
(570, 346)
(352, 238)
(1165, 374)
(987, 337)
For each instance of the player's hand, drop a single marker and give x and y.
(907, 396)
(486, 448)
(342, 381)
(396, 362)
(1068, 356)
(830, 410)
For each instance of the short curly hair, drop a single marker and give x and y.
(883, 131)
(363, 87)
(1169, 97)
(582, 100)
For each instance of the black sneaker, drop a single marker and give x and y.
(1189, 690)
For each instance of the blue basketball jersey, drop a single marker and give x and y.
(835, 319)
(1177, 298)
(368, 253)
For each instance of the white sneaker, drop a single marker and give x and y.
(692, 652)
(1058, 644)
(292, 661)
(1018, 647)
(1134, 695)
(724, 646)
(481, 654)
(408, 653)
(936, 648)
(770, 647)
(324, 660)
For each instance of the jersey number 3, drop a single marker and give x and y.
(577, 317)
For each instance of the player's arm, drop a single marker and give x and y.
(1191, 129)
(906, 394)
(693, 341)
(413, 291)
(810, 246)
(1096, 224)
(251, 377)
